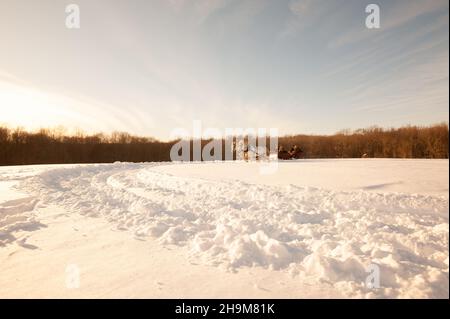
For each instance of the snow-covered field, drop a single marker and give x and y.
(314, 228)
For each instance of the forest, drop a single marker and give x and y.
(53, 146)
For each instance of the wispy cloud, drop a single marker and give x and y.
(150, 66)
(304, 13)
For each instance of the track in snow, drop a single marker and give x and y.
(316, 234)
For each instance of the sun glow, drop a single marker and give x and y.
(31, 108)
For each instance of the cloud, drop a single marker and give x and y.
(303, 13)
(300, 7)
(423, 86)
(204, 8)
(201, 10)
(160, 64)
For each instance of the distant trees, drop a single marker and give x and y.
(19, 147)
(404, 142)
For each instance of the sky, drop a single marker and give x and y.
(148, 67)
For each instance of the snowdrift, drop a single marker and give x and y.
(328, 236)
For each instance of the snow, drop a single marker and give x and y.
(311, 229)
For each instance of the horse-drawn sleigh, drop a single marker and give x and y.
(246, 152)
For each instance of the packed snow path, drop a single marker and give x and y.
(316, 234)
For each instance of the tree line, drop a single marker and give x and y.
(46, 146)
(404, 142)
(52, 146)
